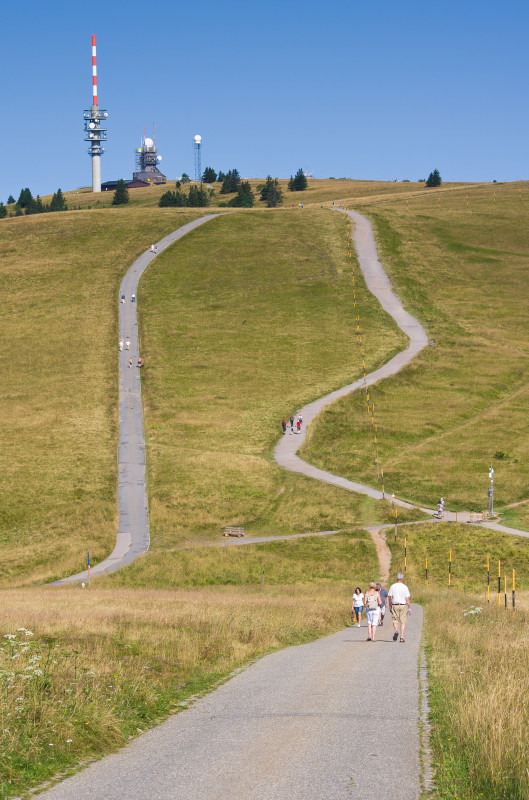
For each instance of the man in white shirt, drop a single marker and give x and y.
(399, 605)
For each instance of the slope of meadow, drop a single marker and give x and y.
(459, 261)
(318, 192)
(60, 281)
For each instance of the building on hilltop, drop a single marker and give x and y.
(110, 186)
(147, 160)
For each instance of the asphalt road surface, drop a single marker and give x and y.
(336, 719)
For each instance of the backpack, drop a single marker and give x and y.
(372, 602)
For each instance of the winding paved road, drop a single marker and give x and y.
(133, 524)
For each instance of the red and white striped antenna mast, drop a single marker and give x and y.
(94, 72)
(94, 133)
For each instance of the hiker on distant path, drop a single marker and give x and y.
(399, 605)
(439, 510)
(133, 298)
(284, 426)
(152, 248)
(155, 249)
(300, 420)
(384, 599)
(130, 363)
(140, 363)
(292, 424)
(122, 298)
(120, 345)
(358, 606)
(127, 344)
(298, 425)
(372, 600)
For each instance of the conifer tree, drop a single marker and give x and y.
(58, 203)
(10, 199)
(231, 182)
(299, 182)
(434, 179)
(3, 210)
(24, 198)
(271, 192)
(209, 175)
(244, 197)
(121, 195)
(185, 178)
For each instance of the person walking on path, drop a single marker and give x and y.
(284, 426)
(127, 344)
(300, 420)
(399, 605)
(358, 606)
(120, 345)
(130, 363)
(372, 598)
(298, 425)
(152, 248)
(292, 424)
(384, 599)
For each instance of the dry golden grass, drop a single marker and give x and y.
(479, 686)
(102, 665)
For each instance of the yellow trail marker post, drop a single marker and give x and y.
(383, 492)
(450, 569)
(499, 582)
(488, 580)
(426, 569)
(505, 590)
(405, 554)
(513, 593)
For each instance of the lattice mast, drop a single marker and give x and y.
(94, 133)
(197, 146)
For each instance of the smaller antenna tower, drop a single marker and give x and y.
(197, 146)
(94, 133)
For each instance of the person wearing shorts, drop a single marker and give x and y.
(358, 606)
(399, 605)
(372, 600)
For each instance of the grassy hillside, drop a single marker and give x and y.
(60, 281)
(459, 261)
(319, 191)
(241, 324)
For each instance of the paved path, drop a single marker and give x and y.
(133, 525)
(314, 722)
(378, 284)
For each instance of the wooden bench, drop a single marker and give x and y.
(232, 531)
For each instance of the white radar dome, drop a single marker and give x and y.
(92, 125)
(158, 158)
(197, 139)
(148, 142)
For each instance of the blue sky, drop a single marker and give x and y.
(372, 90)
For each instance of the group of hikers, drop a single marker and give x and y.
(375, 600)
(298, 423)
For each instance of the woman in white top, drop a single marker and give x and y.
(373, 603)
(358, 606)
